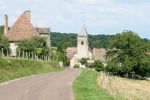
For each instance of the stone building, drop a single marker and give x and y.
(75, 54)
(23, 29)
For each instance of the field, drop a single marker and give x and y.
(15, 68)
(125, 89)
(85, 87)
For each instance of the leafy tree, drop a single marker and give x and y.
(76, 66)
(98, 66)
(3, 41)
(61, 55)
(130, 56)
(83, 61)
(70, 39)
(35, 45)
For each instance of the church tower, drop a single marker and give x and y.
(82, 43)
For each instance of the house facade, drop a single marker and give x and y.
(23, 29)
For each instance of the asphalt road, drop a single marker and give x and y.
(52, 86)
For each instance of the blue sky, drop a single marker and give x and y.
(99, 16)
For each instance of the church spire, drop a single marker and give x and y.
(83, 31)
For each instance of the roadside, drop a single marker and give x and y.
(86, 87)
(125, 89)
(50, 86)
(15, 68)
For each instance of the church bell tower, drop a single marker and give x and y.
(82, 43)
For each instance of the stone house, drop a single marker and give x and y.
(24, 29)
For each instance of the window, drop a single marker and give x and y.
(82, 43)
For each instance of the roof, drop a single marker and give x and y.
(22, 29)
(83, 31)
(43, 30)
(99, 54)
(70, 52)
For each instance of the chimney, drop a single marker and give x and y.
(6, 25)
(28, 14)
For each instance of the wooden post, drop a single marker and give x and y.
(37, 57)
(32, 55)
(28, 55)
(2, 52)
(7, 53)
(42, 57)
(23, 54)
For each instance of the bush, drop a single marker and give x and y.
(76, 66)
(83, 61)
(130, 58)
(98, 66)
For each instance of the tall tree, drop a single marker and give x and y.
(129, 56)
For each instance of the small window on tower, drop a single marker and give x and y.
(82, 43)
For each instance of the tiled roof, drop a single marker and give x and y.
(43, 30)
(70, 52)
(99, 54)
(22, 29)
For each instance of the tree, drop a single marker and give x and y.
(130, 56)
(83, 61)
(61, 55)
(98, 66)
(35, 45)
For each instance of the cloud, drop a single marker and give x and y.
(106, 14)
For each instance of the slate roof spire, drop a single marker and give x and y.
(83, 31)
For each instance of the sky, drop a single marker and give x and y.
(99, 16)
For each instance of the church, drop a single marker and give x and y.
(75, 54)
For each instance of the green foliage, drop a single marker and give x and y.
(70, 39)
(130, 57)
(98, 66)
(15, 68)
(59, 54)
(35, 45)
(60, 38)
(3, 41)
(76, 66)
(85, 87)
(83, 61)
(1, 30)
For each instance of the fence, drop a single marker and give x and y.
(5, 53)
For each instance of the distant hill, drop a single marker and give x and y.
(70, 39)
(98, 41)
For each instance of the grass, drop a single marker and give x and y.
(126, 89)
(86, 87)
(16, 68)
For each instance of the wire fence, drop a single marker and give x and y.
(5, 53)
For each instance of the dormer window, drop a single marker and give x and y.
(82, 43)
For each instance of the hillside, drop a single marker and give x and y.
(70, 39)
(15, 68)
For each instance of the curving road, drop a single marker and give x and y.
(52, 86)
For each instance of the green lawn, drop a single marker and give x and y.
(85, 87)
(15, 68)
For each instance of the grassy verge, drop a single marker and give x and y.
(85, 87)
(15, 68)
(126, 89)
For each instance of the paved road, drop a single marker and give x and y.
(52, 86)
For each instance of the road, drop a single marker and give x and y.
(51, 86)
